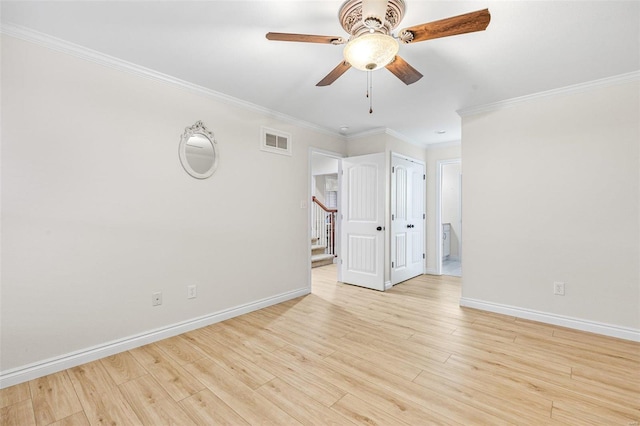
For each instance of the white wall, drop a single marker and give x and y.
(551, 193)
(323, 164)
(97, 212)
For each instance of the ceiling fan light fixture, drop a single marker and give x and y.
(371, 51)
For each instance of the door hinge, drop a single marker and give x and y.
(423, 255)
(393, 169)
(424, 216)
(392, 264)
(392, 217)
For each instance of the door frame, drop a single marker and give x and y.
(438, 222)
(339, 157)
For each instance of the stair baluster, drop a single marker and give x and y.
(323, 220)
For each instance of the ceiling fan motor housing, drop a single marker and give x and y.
(352, 21)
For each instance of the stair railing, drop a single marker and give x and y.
(323, 225)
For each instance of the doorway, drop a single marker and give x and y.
(449, 217)
(323, 225)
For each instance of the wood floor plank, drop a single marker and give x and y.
(224, 354)
(170, 375)
(53, 398)
(152, 404)
(294, 333)
(445, 397)
(247, 348)
(254, 335)
(316, 387)
(100, 397)
(614, 381)
(593, 357)
(409, 403)
(590, 414)
(253, 407)
(122, 367)
(14, 394)
(18, 414)
(363, 413)
(507, 354)
(180, 350)
(351, 319)
(550, 387)
(78, 419)
(299, 405)
(513, 407)
(205, 408)
(392, 361)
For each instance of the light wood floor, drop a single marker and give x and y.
(346, 355)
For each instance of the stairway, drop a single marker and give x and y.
(318, 255)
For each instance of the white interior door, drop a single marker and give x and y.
(362, 227)
(407, 219)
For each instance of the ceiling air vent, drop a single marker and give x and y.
(275, 141)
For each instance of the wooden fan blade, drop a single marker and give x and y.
(467, 23)
(404, 71)
(334, 74)
(306, 38)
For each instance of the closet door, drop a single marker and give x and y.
(407, 219)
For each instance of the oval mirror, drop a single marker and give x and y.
(198, 153)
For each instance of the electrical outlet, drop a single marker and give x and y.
(192, 292)
(156, 299)
(558, 288)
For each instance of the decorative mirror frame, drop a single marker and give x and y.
(197, 129)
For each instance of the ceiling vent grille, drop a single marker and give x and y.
(275, 141)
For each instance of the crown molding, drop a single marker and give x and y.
(63, 46)
(402, 137)
(448, 144)
(575, 88)
(367, 133)
(385, 131)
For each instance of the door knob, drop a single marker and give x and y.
(379, 228)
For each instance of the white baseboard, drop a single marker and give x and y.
(387, 285)
(554, 319)
(430, 271)
(54, 365)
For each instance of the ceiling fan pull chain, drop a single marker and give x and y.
(368, 76)
(370, 91)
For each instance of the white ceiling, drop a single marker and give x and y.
(529, 47)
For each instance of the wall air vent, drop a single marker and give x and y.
(275, 141)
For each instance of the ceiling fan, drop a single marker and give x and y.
(371, 44)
